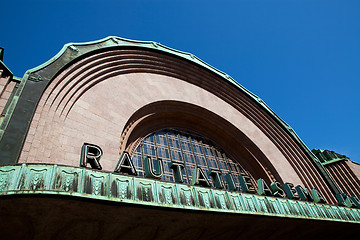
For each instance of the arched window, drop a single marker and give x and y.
(192, 150)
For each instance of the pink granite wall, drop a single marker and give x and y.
(6, 88)
(346, 174)
(100, 115)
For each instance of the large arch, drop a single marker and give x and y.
(78, 102)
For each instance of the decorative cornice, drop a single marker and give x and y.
(46, 179)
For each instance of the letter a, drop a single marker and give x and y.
(263, 188)
(199, 178)
(125, 165)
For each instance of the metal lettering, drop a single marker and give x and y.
(278, 191)
(318, 198)
(125, 165)
(347, 201)
(231, 182)
(304, 194)
(340, 198)
(290, 191)
(246, 184)
(90, 153)
(149, 168)
(177, 168)
(263, 188)
(356, 201)
(216, 176)
(199, 178)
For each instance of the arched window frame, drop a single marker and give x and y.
(190, 149)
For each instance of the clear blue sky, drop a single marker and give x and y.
(301, 57)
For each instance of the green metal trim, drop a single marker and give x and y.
(8, 110)
(16, 79)
(6, 69)
(10, 105)
(332, 161)
(13, 130)
(327, 157)
(30, 179)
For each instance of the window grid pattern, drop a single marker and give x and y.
(191, 150)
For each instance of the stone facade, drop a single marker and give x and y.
(115, 92)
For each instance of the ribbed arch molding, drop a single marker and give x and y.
(68, 88)
(192, 118)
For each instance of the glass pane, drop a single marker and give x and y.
(163, 152)
(186, 146)
(189, 158)
(161, 139)
(149, 149)
(138, 163)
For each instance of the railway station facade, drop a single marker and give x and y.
(123, 139)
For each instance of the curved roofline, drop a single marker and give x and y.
(80, 49)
